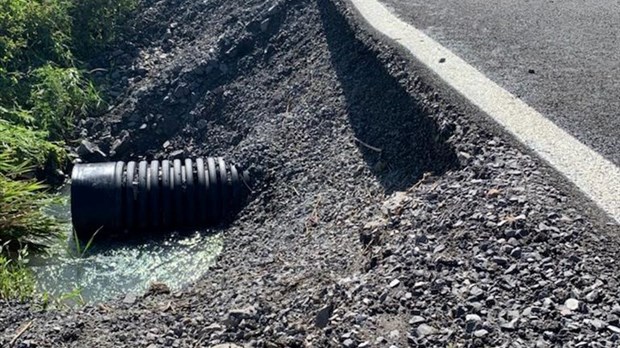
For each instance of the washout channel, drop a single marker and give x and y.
(383, 214)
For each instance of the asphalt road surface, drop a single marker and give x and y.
(560, 57)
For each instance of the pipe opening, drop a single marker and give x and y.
(136, 198)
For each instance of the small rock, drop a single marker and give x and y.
(236, 316)
(416, 319)
(27, 344)
(322, 317)
(214, 327)
(348, 343)
(157, 288)
(471, 322)
(90, 152)
(613, 329)
(493, 193)
(472, 317)
(476, 292)
(130, 299)
(572, 304)
(481, 333)
(244, 313)
(394, 205)
(509, 326)
(425, 330)
(596, 323)
(121, 144)
(177, 154)
(421, 239)
(226, 345)
(500, 261)
(592, 296)
(394, 283)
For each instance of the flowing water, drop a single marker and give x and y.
(112, 269)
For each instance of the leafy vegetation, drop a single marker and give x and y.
(99, 22)
(43, 92)
(22, 147)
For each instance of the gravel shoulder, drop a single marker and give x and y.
(385, 214)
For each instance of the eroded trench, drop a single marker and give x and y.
(310, 108)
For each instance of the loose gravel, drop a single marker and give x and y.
(384, 215)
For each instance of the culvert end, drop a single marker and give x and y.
(132, 199)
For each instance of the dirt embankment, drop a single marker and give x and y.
(384, 216)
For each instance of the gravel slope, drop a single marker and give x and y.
(384, 215)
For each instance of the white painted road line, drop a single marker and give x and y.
(597, 177)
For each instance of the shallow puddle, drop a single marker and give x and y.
(109, 270)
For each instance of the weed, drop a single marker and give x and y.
(16, 281)
(58, 97)
(21, 148)
(101, 23)
(80, 249)
(65, 300)
(23, 223)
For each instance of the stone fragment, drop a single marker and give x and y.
(394, 205)
(481, 333)
(416, 319)
(129, 299)
(120, 144)
(348, 343)
(425, 330)
(614, 329)
(90, 152)
(322, 317)
(572, 304)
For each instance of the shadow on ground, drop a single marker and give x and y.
(399, 141)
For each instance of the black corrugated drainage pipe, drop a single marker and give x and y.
(141, 197)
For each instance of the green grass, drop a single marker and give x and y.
(101, 23)
(44, 91)
(58, 96)
(22, 147)
(16, 281)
